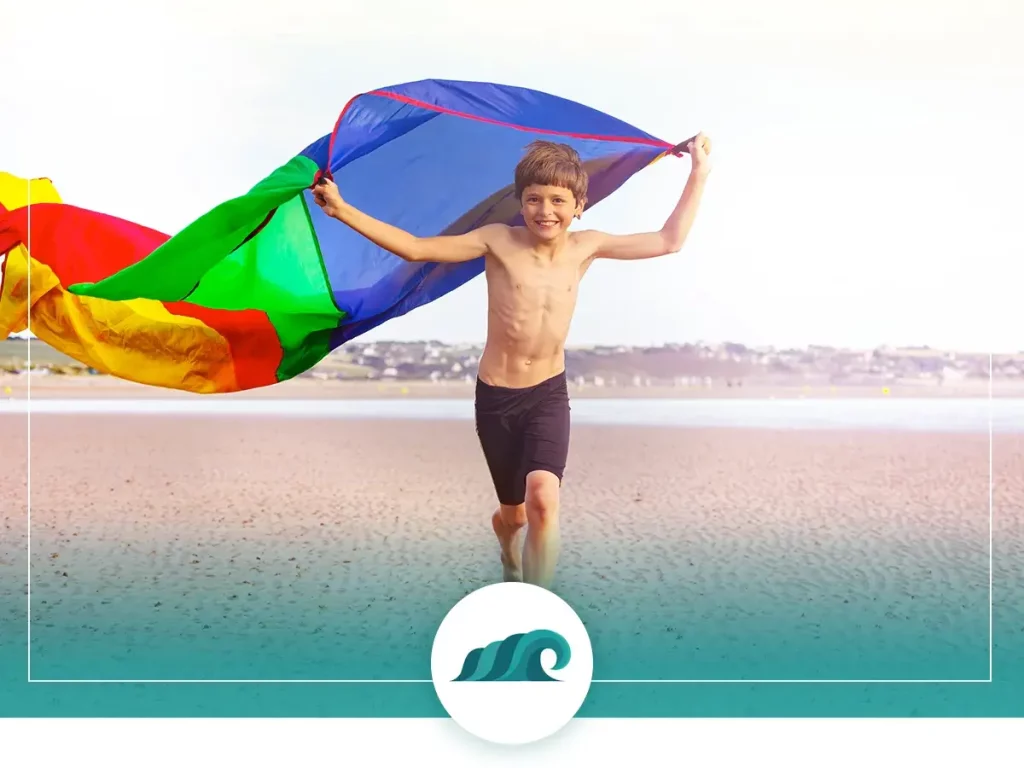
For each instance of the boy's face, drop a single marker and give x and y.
(548, 211)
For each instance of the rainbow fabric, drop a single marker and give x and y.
(264, 286)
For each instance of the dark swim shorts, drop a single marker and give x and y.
(523, 429)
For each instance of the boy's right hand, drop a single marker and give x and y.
(328, 197)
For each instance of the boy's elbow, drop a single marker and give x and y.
(416, 252)
(673, 245)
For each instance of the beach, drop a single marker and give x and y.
(149, 525)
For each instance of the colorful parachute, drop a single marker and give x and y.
(262, 287)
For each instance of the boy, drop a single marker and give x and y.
(532, 273)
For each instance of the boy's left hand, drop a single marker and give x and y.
(699, 148)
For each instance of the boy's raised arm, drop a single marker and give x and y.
(671, 237)
(444, 248)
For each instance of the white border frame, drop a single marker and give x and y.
(28, 578)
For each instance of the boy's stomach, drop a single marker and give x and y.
(502, 367)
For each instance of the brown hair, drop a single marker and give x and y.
(551, 164)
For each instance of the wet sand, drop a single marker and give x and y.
(401, 483)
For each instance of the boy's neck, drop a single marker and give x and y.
(547, 248)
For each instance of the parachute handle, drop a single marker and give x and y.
(323, 173)
(680, 149)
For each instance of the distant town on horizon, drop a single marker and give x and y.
(686, 364)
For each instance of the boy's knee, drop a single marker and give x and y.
(542, 498)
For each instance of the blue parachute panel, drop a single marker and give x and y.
(438, 157)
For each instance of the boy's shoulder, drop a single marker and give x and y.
(586, 237)
(496, 228)
(503, 233)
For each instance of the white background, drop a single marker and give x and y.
(703, 743)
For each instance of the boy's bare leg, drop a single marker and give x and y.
(508, 522)
(540, 553)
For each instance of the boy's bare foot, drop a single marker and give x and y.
(511, 556)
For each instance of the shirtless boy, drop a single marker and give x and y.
(532, 273)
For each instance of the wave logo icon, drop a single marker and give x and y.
(515, 633)
(517, 657)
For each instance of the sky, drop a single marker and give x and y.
(866, 187)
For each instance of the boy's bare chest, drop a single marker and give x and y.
(547, 284)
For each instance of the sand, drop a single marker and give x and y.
(174, 519)
(107, 470)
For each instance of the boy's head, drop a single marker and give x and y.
(551, 186)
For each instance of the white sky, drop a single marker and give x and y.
(867, 186)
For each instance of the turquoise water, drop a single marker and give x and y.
(838, 630)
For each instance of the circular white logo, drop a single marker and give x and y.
(512, 663)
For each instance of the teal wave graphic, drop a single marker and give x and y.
(516, 658)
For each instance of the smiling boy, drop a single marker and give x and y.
(533, 273)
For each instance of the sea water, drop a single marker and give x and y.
(901, 414)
